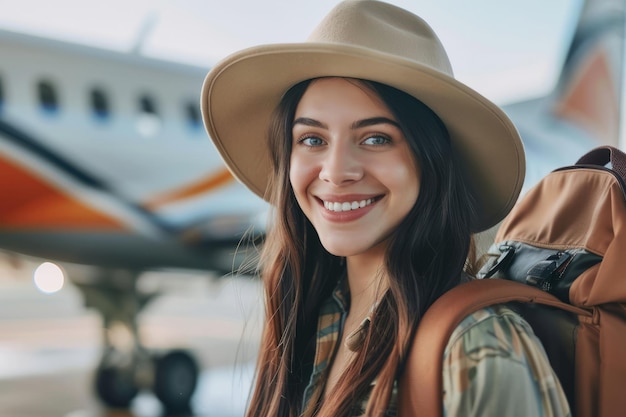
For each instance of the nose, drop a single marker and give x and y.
(341, 165)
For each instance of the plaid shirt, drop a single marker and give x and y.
(494, 365)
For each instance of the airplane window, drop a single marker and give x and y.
(149, 121)
(100, 104)
(48, 99)
(193, 115)
(147, 105)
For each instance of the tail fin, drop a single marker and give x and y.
(590, 92)
(586, 107)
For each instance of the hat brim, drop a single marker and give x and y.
(241, 92)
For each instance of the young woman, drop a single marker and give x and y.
(380, 166)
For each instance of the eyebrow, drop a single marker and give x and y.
(309, 122)
(356, 125)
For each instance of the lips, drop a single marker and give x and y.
(347, 208)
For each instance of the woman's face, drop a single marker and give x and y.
(352, 171)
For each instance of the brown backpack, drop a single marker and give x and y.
(560, 255)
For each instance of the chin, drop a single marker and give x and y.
(347, 248)
(338, 250)
(344, 250)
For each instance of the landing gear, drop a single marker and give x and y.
(175, 380)
(126, 366)
(115, 387)
(172, 377)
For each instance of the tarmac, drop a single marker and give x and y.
(50, 344)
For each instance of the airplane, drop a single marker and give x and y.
(104, 163)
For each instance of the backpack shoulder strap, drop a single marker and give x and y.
(421, 383)
(603, 155)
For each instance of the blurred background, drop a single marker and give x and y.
(127, 250)
(489, 42)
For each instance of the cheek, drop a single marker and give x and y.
(294, 174)
(400, 173)
(300, 176)
(404, 179)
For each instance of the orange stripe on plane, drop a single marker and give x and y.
(222, 177)
(30, 202)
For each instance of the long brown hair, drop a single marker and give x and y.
(426, 257)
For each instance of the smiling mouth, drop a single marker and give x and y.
(348, 205)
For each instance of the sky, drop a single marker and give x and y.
(489, 42)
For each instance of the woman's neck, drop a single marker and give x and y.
(366, 280)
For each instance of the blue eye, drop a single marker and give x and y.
(376, 140)
(312, 141)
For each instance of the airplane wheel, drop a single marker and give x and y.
(175, 380)
(115, 387)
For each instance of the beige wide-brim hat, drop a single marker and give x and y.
(373, 41)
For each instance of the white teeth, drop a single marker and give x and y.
(347, 206)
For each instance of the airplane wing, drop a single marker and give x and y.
(58, 211)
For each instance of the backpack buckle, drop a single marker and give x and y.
(544, 272)
(490, 268)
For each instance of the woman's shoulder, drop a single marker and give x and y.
(491, 326)
(495, 350)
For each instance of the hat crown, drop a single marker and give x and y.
(383, 28)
